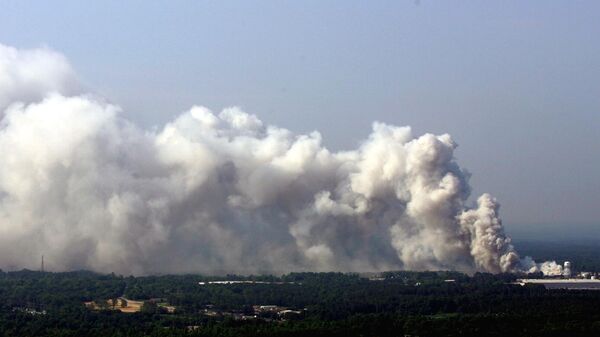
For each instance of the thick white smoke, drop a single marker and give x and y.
(28, 75)
(223, 192)
(550, 268)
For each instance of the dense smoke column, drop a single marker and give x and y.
(218, 193)
(490, 248)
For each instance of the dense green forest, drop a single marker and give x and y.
(332, 304)
(398, 303)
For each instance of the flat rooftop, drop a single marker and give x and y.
(579, 284)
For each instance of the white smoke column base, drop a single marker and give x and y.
(222, 193)
(549, 268)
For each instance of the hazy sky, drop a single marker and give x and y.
(516, 84)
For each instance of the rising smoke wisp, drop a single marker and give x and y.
(224, 192)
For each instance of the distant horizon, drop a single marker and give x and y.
(562, 247)
(582, 232)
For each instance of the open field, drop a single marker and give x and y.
(131, 306)
(122, 304)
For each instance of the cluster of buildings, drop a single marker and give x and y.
(566, 273)
(242, 282)
(264, 312)
(566, 280)
(29, 311)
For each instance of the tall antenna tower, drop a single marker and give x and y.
(42, 263)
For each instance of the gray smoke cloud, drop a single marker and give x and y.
(217, 193)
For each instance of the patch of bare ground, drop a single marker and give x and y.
(121, 304)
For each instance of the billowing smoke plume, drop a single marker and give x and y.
(29, 75)
(222, 192)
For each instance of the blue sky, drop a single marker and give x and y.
(516, 84)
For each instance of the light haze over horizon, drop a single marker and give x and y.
(515, 84)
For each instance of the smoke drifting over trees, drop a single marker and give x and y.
(224, 192)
